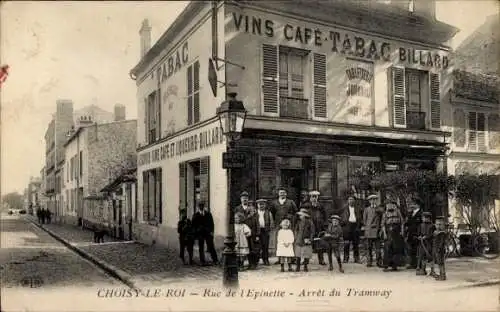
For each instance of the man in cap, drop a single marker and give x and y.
(424, 253)
(282, 208)
(413, 221)
(319, 218)
(352, 218)
(244, 203)
(266, 224)
(371, 222)
(203, 224)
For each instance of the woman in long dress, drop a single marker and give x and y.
(392, 230)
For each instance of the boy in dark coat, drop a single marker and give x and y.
(439, 249)
(424, 253)
(186, 239)
(333, 236)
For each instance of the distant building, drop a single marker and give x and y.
(33, 194)
(96, 154)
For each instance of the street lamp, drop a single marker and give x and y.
(232, 114)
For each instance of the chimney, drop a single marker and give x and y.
(119, 112)
(145, 34)
(425, 8)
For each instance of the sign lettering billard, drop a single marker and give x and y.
(342, 43)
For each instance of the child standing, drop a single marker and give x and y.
(284, 248)
(241, 233)
(333, 236)
(304, 232)
(186, 239)
(439, 249)
(424, 249)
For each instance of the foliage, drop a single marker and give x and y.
(475, 196)
(14, 200)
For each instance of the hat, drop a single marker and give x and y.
(427, 214)
(314, 193)
(372, 196)
(439, 218)
(336, 217)
(303, 212)
(244, 193)
(261, 200)
(282, 188)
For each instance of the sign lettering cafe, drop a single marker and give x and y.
(192, 143)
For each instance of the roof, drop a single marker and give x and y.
(128, 175)
(476, 86)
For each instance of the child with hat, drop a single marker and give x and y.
(284, 245)
(333, 235)
(424, 250)
(439, 248)
(241, 233)
(304, 234)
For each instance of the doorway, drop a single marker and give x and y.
(294, 180)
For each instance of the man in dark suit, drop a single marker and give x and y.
(282, 208)
(413, 221)
(352, 219)
(266, 224)
(243, 206)
(319, 218)
(203, 225)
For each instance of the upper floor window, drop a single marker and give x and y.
(193, 93)
(476, 131)
(152, 117)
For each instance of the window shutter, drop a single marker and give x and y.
(196, 89)
(267, 176)
(319, 85)
(435, 100)
(270, 79)
(494, 131)
(145, 196)
(182, 185)
(158, 197)
(342, 178)
(481, 132)
(190, 94)
(472, 131)
(324, 175)
(398, 96)
(205, 180)
(459, 128)
(152, 194)
(158, 114)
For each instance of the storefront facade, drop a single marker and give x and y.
(323, 102)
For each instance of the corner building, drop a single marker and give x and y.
(330, 88)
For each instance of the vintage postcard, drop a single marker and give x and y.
(320, 155)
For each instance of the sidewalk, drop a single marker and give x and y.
(140, 264)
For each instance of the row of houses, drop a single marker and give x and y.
(329, 88)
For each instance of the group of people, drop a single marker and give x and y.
(300, 230)
(44, 215)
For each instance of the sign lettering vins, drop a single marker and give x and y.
(189, 144)
(342, 43)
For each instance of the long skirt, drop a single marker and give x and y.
(394, 247)
(305, 251)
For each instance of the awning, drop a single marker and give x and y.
(129, 175)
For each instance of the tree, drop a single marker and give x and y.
(475, 195)
(14, 200)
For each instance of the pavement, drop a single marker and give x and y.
(146, 267)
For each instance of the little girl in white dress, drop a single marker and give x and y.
(284, 245)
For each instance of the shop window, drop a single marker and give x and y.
(152, 196)
(152, 117)
(361, 171)
(193, 93)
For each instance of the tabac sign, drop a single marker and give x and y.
(194, 142)
(344, 43)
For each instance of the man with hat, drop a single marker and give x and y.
(304, 235)
(412, 225)
(243, 206)
(333, 237)
(203, 225)
(266, 224)
(319, 218)
(282, 208)
(186, 238)
(371, 222)
(247, 210)
(424, 253)
(304, 198)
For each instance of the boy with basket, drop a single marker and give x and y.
(333, 237)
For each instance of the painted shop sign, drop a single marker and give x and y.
(192, 143)
(340, 42)
(173, 64)
(359, 91)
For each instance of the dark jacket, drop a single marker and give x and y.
(280, 212)
(318, 217)
(185, 229)
(303, 229)
(357, 211)
(268, 220)
(413, 223)
(203, 224)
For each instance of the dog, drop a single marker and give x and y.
(99, 234)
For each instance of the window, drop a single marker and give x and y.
(415, 93)
(193, 93)
(292, 64)
(194, 184)
(459, 128)
(476, 132)
(152, 197)
(152, 117)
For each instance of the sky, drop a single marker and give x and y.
(84, 51)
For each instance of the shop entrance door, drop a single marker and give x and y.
(294, 181)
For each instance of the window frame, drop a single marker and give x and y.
(477, 132)
(193, 93)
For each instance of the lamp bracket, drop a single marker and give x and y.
(222, 84)
(224, 61)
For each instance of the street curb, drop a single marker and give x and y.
(492, 282)
(108, 268)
